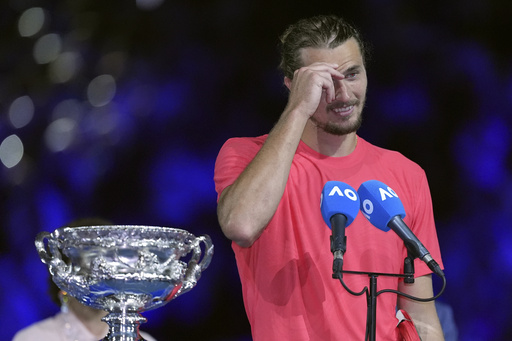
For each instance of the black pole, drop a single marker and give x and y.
(373, 307)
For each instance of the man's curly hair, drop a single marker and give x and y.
(322, 31)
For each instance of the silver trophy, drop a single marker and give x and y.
(124, 270)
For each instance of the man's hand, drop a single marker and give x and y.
(310, 85)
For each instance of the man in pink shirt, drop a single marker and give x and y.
(269, 202)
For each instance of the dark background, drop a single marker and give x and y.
(177, 78)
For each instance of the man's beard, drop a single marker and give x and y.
(339, 129)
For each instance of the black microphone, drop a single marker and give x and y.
(339, 205)
(384, 210)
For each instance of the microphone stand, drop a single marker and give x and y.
(372, 293)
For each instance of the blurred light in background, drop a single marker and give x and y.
(21, 111)
(31, 21)
(101, 90)
(11, 151)
(65, 67)
(60, 134)
(102, 120)
(70, 108)
(47, 48)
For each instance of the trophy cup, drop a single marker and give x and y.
(123, 269)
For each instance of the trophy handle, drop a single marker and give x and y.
(196, 264)
(41, 249)
(53, 257)
(208, 251)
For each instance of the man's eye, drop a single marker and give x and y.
(351, 75)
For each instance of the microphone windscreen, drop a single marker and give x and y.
(339, 198)
(379, 203)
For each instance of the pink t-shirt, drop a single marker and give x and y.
(286, 275)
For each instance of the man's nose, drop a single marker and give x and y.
(342, 91)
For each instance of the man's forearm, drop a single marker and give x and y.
(423, 314)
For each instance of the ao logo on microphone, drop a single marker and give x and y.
(339, 198)
(367, 204)
(349, 193)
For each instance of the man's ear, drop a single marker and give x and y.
(288, 82)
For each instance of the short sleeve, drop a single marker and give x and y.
(233, 158)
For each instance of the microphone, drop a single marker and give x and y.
(384, 210)
(339, 205)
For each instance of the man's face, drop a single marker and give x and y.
(344, 114)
